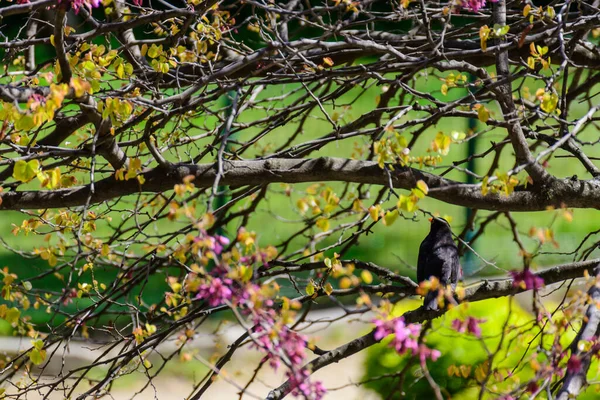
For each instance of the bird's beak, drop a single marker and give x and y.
(430, 219)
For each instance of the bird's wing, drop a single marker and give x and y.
(422, 262)
(448, 256)
(456, 270)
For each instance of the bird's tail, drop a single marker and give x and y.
(430, 302)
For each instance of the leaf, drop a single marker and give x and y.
(422, 186)
(27, 285)
(444, 89)
(247, 273)
(310, 288)
(366, 277)
(328, 289)
(441, 144)
(390, 217)
(457, 136)
(374, 212)
(51, 179)
(25, 123)
(323, 224)
(407, 203)
(154, 51)
(549, 102)
(37, 357)
(24, 171)
(81, 86)
(12, 316)
(484, 34)
(484, 186)
(483, 114)
(526, 10)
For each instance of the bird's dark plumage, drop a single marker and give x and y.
(438, 256)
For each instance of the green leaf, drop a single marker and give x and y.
(38, 344)
(37, 356)
(154, 51)
(390, 217)
(458, 136)
(25, 123)
(27, 285)
(310, 288)
(25, 171)
(407, 203)
(12, 316)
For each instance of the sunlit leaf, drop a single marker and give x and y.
(25, 171)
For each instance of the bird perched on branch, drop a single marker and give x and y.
(438, 257)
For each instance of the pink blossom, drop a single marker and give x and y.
(526, 279)
(302, 386)
(77, 4)
(574, 364)
(216, 292)
(470, 325)
(475, 5)
(406, 337)
(425, 353)
(138, 2)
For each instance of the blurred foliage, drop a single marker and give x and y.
(464, 361)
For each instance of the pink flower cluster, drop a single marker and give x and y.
(304, 387)
(77, 4)
(216, 291)
(215, 243)
(406, 337)
(281, 344)
(475, 5)
(526, 279)
(289, 347)
(470, 325)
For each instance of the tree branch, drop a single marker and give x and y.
(560, 192)
(575, 381)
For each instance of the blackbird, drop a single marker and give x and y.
(438, 256)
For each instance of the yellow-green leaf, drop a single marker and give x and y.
(25, 123)
(441, 143)
(323, 224)
(12, 316)
(25, 171)
(483, 114)
(374, 212)
(366, 277)
(328, 288)
(37, 357)
(549, 102)
(422, 186)
(390, 217)
(310, 288)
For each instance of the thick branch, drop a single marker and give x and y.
(558, 193)
(509, 110)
